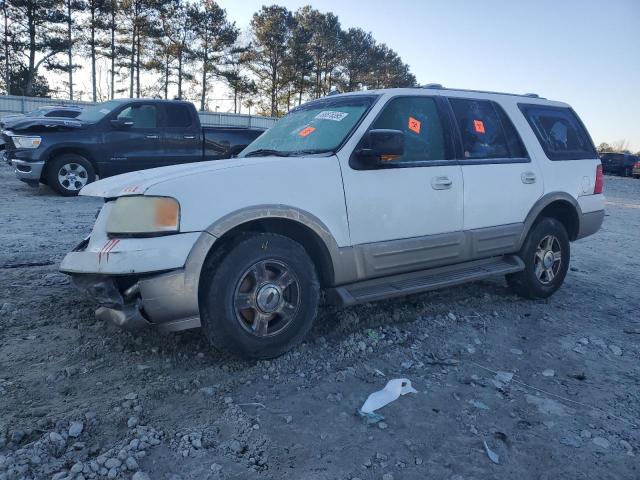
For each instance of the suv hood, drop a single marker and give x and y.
(42, 124)
(137, 183)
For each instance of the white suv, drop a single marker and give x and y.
(359, 196)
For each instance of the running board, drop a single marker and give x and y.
(424, 280)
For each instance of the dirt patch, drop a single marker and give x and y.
(551, 386)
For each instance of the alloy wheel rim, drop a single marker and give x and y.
(266, 298)
(72, 176)
(548, 259)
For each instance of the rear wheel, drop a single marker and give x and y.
(68, 173)
(260, 298)
(546, 253)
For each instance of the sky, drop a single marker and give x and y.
(585, 53)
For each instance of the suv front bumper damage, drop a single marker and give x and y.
(157, 300)
(142, 282)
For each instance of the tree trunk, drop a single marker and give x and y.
(138, 66)
(180, 75)
(113, 49)
(288, 98)
(69, 48)
(32, 53)
(166, 76)
(7, 75)
(274, 92)
(132, 60)
(93, 52)
(205, 64)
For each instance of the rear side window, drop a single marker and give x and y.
(178, 116)
(418, 118)
(485, 130)
(560, 132)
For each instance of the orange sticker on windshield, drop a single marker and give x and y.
(306, 131)
(478, 125)
(414, 125)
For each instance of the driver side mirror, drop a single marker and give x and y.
(380, 146)
(121, 124)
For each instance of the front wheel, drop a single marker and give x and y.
(260, 298)
(546, 253)
(68, 173)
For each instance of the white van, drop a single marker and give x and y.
(350, 198)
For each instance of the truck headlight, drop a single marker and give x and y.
(21, 141)
(142, 215)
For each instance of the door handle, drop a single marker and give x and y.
(153, 137)
(189, 137)
(528, 177)
(441, 183)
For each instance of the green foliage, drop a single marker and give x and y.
(288, 57)
(307, 54)
(604, 147)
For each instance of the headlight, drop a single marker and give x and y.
(144, 215)
(26, 142)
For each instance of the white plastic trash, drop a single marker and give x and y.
(392, 391)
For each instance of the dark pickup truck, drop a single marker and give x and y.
(116, 137)
(619, 163)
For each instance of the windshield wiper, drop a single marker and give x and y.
(263, 152)
(311, 151)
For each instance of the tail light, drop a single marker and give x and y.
(599, 180)
(637, 165)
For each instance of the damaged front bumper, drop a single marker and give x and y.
(135, 303)
(141, 282)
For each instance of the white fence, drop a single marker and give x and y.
(17, 104)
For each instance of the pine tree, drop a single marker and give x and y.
(215, 36)
(39, 36)
(271, 29)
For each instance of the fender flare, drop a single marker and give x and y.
(342, 263)
(542, 203)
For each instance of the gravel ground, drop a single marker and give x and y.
(550, 386)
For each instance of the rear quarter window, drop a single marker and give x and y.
(560, 132)
(178, 116)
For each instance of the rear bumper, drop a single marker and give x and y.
(591, 214)
(590, 223)
(29, 172)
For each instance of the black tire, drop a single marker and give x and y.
(245, 274)
(535, 281)
(72, 163)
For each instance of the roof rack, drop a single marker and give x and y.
(438, 86)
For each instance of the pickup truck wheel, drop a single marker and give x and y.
(260, 298)
(68, 173)
(546, 253)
